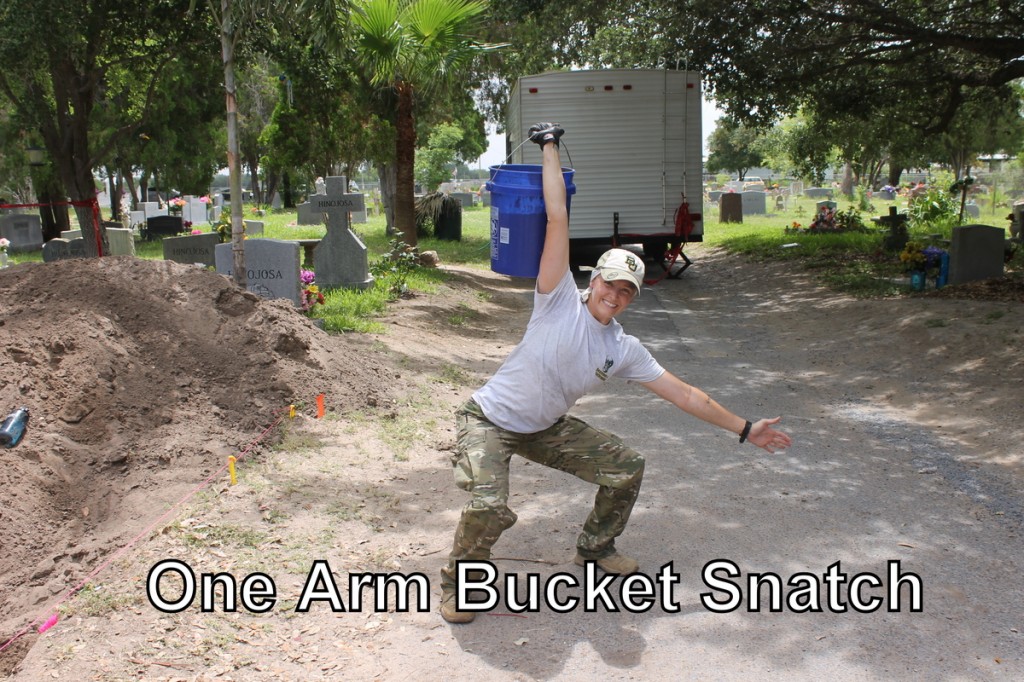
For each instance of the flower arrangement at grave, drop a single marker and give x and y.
(310, 296)
(912, 257)
(175, 205)
(4, 243)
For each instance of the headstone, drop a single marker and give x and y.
(730, 208)
(23, 231)
(796, 188)
(714, 195)
(137, 218)
(197, 248)
(194, 210)
(165, 226)
(272, 267)
(465, 197)
(55, 249)
(76, 248)
(885, 194)
(215, 214)
(121, 242)
(359, 216)
(1017, 223)
(972, 210)
(830, 205)
(151, 208)
(976, 252)
(340, 258)
(307, 216)
(253, 227)
(753, 203)
(818, 192)
(275, 202)
(485, 198)
(71, 234)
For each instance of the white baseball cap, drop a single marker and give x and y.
(620, 264)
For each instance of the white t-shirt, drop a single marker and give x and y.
(564, 354)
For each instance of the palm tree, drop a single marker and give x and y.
(410, 45)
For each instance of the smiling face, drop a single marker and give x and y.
(608, 299)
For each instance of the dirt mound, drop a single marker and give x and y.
(142, 377)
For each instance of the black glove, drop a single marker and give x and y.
(542, 133)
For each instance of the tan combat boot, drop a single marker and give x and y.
(450, 613)
(615, 563)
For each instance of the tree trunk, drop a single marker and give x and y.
(405, 161)
(254, 180)
(847, 185)
(386, 177)
(227, 39)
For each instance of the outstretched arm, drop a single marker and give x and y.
(554, 260)
(692, 400)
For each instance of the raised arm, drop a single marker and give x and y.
(554, 260)
(692, 400)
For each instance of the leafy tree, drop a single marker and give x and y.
(67, 64)
(735, 147)
(434, 162)
(408, 46)
(235, 18)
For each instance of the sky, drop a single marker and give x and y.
(496, 141)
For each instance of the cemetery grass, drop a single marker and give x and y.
(854, 263)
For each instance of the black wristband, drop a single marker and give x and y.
(746, 432)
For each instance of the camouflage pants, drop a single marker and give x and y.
(481, 465)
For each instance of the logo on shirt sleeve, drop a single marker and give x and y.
(602, 373)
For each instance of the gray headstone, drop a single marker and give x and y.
(151, 208)
(198, 248)
(465, 197)
(253, 227)
(137, 218)
(485, 198)
(23, 231)
(276, 202)
(885, 195)
(272, 267)
(76, 248)
(714, 195)
(340, 258)
(71, 234)
(194, 210)
(121, 242)
(976, 252)
(818, 192)
(972, 210)
(753, 203)
(55, 249)
(306, 214)
(215, 214)
(831, 205)
(796, 188)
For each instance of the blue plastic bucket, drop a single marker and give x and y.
(518, 218)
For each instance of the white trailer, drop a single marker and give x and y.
(633, 138)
